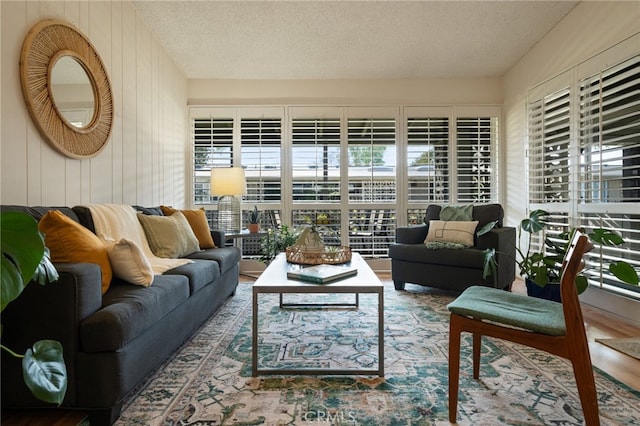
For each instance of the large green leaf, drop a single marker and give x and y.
(22, 250)
(624, 272)
(606, 237)
(44, 371)
(535, 222)
(486, 228)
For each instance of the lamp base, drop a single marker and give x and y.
(229, 214)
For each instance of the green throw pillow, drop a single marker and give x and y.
(457, 213)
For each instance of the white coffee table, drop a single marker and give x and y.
(274, 280)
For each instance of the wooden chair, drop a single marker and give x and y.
(556, 328)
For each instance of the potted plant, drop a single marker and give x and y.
(25, 257)
(254, 220)
(276, 241)
(542, 270)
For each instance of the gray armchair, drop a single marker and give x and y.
(453, 269)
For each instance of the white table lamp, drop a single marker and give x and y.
(228, 183)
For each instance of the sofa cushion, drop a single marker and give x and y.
(483, 213)
(200, 273)
(226, 257)
(38, 211)
(129, 310)
(199, 225)
(154, 211)
(169, 236)
(418, 253)
(70, 242)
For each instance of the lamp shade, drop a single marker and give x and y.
(228, 181)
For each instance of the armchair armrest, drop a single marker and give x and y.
(503, 240)
(411, 234)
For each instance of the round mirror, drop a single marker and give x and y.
(72, 92)
(66, 89)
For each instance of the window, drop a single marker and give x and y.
(549, 148)
(261, 147)
(347, 170)
(316, 160)
(372, 173)
(213, 147)
(475, 145)
(428, 160)
(584, 162)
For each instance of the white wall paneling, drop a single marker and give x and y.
(144, 161)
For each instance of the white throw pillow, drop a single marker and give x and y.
(460, 232)
(129, 263)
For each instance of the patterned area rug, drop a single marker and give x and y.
(629, 346)
(208, 381)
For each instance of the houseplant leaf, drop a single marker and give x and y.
(606, 237)
(624, 272)
(489, 264)
(44, 371)
(535, 222)
(22, 249)
(581, 284)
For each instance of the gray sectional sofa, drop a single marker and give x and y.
(453, 269)
(113, 341)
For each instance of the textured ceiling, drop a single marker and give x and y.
(348, 39)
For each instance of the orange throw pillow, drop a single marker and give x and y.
(198, 221)
(70, 242)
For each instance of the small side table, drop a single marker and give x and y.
(245, 234)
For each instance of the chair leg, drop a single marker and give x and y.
(586, 389)
(454, 366)
(477, 344)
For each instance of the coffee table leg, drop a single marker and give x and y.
(254, 352)
(381, 333)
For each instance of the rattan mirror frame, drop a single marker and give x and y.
(45, 43)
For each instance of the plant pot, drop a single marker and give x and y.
(551, 291)
(254, 227)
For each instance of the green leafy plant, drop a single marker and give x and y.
(25, 258)
(254, 215)
(276, 241)
(543, 268)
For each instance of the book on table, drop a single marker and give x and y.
(322, 274)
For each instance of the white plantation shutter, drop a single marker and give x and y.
(475, 145)
(371, 143)
(372, 181)
(428, 160)
(584, 163)
(549, 141)
(261, 140)
(316, 160)
(213, 147)
(610, 134)
(609, 165)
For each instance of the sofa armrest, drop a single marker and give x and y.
(218, 237)
(55, 310)
(52, 311)
(411, 234)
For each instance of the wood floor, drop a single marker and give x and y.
(598, 324)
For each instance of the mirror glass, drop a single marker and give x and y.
(72, 92)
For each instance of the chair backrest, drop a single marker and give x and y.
(571, 266)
